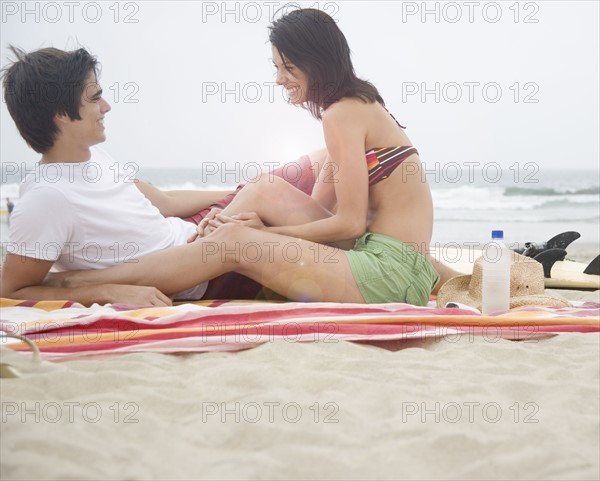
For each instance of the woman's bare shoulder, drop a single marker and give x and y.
(347, 110)
(350, 104)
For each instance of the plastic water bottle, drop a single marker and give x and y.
(495, 295)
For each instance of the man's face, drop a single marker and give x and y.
(90, 129)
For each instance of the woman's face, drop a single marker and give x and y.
(290, 78)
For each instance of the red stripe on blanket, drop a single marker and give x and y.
(296, 332)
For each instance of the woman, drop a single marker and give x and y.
(371, 189)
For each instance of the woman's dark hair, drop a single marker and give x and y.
(311, 40)
(41, 84)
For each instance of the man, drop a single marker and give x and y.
(78, 209)
(10, 205)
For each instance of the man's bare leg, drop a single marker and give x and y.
(297, 269)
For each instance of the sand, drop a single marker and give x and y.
(453, 408)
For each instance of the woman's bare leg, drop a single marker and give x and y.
(276, 202)
(445, 272)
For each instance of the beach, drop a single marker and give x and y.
(459, 407)
(500, 99)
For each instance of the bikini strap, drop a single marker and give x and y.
(399, 125)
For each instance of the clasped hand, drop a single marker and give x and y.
(215, 219)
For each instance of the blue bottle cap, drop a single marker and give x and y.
(497, 234)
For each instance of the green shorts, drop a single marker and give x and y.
(388, 270)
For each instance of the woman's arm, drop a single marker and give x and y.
(345, 134)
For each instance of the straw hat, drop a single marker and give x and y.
(526, 286)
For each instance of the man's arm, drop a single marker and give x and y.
(179, 203)
(22, 278)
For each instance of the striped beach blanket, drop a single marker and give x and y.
(64, 330)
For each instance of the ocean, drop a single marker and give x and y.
(530, 204)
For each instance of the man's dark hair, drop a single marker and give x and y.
(41, 84)
(311, 40)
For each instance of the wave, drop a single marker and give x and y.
(471, 198)
(585, 202)
(519, 220)
(548, 191)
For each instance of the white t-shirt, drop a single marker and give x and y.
(89, 215)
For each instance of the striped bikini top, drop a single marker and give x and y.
(382, 161)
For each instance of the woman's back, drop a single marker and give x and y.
(400, 202)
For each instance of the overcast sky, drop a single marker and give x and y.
(506, 82)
